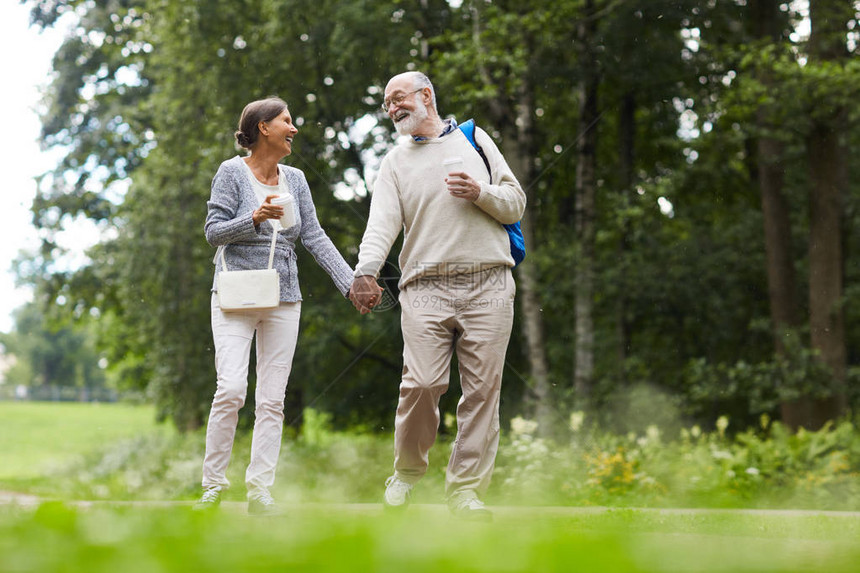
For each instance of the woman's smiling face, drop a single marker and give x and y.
(280, 131)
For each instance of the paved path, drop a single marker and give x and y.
(32, 501)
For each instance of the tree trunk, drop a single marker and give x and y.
(538, 396)
(784, 307)
(518, 147)
(828, 168)
(781, 275)
(827, 331)
(626, 155)
(585, 210)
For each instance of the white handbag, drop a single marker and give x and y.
(244, 290)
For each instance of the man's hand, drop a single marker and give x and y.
(462, 186)
(365, 293)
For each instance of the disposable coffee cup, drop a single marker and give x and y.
(288, 219)
(453, 165)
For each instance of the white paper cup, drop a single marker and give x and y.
(453, 165)
(288, 219)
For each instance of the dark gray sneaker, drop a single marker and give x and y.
(210, 499)
(263, 504)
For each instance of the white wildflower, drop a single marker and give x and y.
(521, 426)
(653, 433)
(722, 424)
(576, 420)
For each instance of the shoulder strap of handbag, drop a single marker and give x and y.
(271, 251)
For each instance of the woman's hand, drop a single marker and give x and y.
(365, 293)
(267, 211)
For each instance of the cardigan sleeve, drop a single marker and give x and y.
(317, 242)
(224, 223)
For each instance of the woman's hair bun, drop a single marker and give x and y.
(243, 140)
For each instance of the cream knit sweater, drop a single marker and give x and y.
(442, 235)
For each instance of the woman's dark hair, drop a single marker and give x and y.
(255, 112)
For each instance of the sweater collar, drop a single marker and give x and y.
(450, 125)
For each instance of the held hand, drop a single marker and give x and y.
(267, 211)
(365, 293)
(462, 186)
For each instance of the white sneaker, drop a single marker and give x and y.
(210, 499)
(472, 509)
(262, 503)
(397, 492)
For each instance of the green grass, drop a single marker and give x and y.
(40, 436)
(137, 477)
(351, 539)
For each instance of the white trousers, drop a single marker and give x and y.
(277, 331)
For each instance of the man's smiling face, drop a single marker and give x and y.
(407, 109)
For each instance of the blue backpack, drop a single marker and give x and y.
(515, 233)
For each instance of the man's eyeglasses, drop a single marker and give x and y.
(397, 99)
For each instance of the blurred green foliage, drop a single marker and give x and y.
(56, 537)
(49, 352)
(720, 466)
(146, 93)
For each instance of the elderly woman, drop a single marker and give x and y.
(240, 222)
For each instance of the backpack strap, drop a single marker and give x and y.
(515, 234)
(468, 129)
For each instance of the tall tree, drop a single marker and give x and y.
(586, 189)
(828, 186)
(785, 311)
(502, 57)
(519, 146)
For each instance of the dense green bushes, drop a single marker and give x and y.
(763, 467)
(766, 467)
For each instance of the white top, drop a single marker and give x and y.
(261, 190)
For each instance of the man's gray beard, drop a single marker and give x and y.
(411, 123)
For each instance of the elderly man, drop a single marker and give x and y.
(456, 287)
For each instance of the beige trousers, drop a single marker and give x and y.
(472, 314)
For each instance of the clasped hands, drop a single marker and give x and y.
(365, 293)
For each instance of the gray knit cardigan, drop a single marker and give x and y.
(229, 225)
